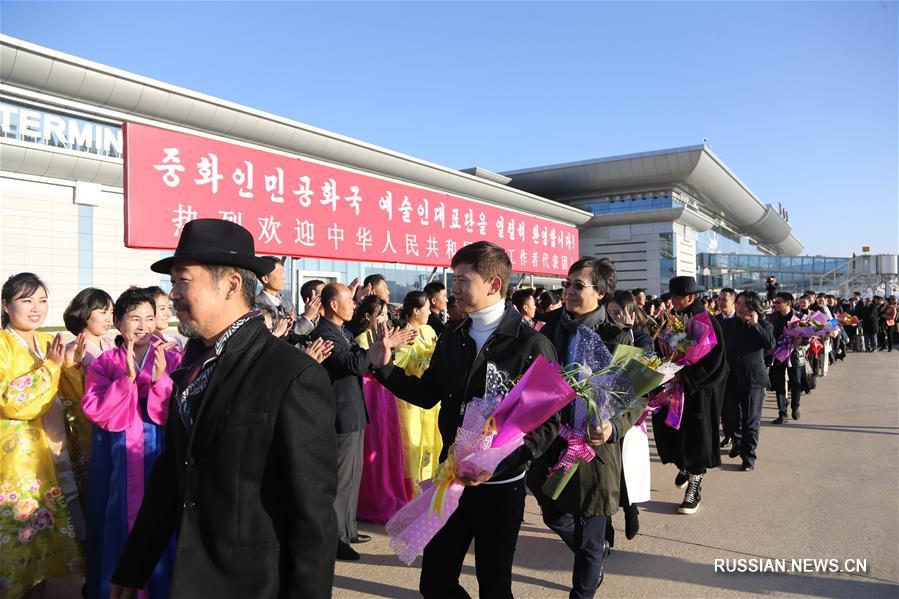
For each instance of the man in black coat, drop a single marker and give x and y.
(345, 366)
(753, 336)
(247, 475)
(436, 292)
(694, 447)
(730, 407)
(492, 505)
(791, 369)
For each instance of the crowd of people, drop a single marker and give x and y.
(237, 463)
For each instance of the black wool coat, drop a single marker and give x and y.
(250, 490)
(457, 375)
(745, 345)
(695, 444)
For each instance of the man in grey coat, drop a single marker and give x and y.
(271, 297)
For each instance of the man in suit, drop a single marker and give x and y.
(752, 337)
(247, 475)
(270, 296)
(345, 366)
(730, 408)
(492, 506)
(436, 292)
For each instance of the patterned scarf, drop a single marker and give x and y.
(192, 379)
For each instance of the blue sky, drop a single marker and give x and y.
(799, 99)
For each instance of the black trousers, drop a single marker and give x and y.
(731, 414)
(491, 516)
(751, 415)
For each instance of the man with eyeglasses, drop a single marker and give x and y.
(581, 513)
(792, 368)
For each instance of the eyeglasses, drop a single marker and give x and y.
(576, 284)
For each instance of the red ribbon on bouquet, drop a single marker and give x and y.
(577, 449)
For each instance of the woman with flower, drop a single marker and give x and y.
(418, 427)
(126, 397)
(37, 539)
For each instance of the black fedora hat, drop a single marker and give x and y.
(684, 286)
(216, 241)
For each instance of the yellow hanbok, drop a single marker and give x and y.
(37, 538)
(421, 436)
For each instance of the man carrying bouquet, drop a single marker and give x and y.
(694, 446)
(492, 505)
(581, 513)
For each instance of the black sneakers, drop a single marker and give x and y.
(681, 480)
(631, 521)
(778, 420)
(691, 497)
(725, 442)
(747, 467)
(796, 414)
(734, 451)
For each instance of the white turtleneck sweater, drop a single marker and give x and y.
(484, 322)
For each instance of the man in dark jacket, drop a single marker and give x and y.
(247, 475)
(581, 513)
(694, 447)
(793, 367)
(346, 365)
(492, 505)
(752, 338)
(730, 407)
(436, 292)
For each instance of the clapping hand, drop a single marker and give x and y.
(130, 369)
(56, 350)
(281, 327)
(75, 353)
(318, 350)
(312, 307)
(158, 363)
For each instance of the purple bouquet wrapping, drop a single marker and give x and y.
(493, 427)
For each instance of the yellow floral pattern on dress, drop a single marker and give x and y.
(37, 539)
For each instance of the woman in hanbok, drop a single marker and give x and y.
(88, 317)
(37, 538)
(421, 437)
(384, 488)
(163, 317)
(126, 397)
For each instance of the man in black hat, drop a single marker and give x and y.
(694, 447)
(247, 477)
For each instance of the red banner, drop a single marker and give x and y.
(304, 208)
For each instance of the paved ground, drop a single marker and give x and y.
(825, 487)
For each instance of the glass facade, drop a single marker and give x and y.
(667, 257)
(610, 206)
(716, 240)
(750, 271)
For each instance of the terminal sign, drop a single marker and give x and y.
(304, 208)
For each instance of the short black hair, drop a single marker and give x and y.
(308, 288)
(433, 289)
(79, 310)
(729, 291)
(488, 260)
(604, 275)
(547, 299)
(373, 279)
(520, 298)
(637, 291)
(785, 296)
